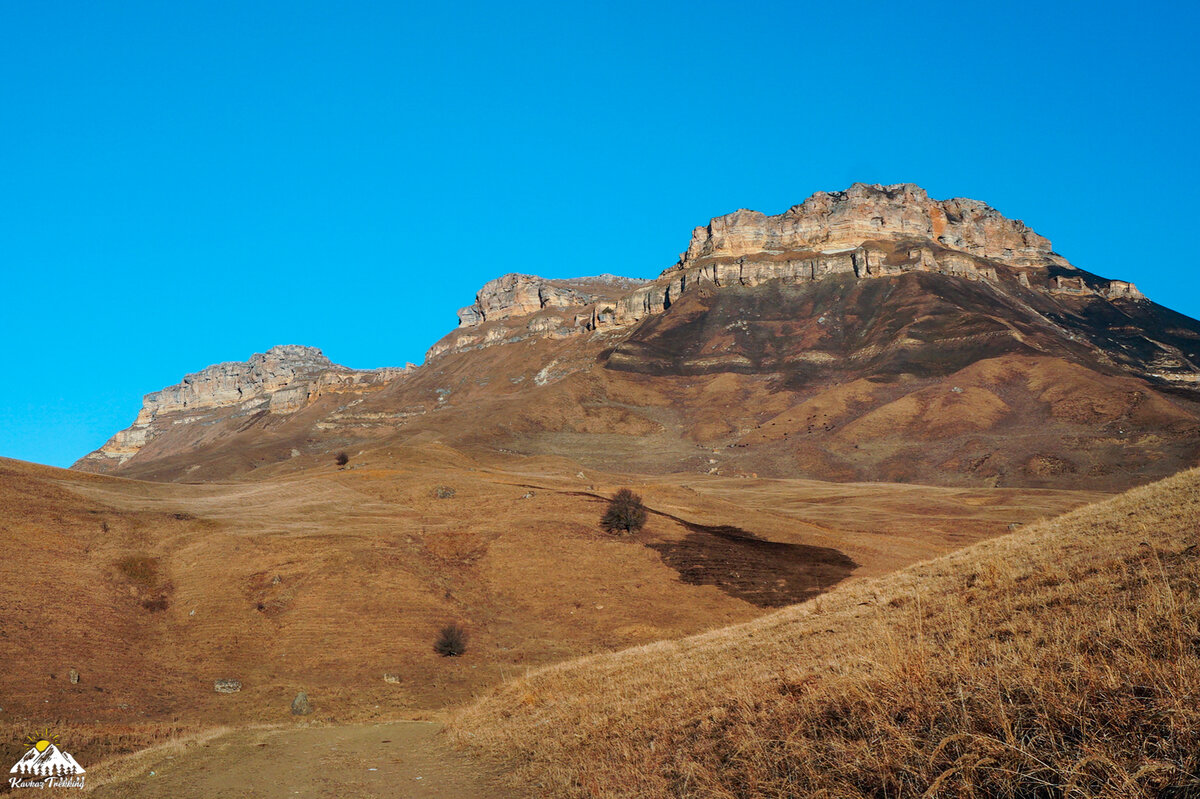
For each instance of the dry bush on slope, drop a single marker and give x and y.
(1062, 661)
(625, 513)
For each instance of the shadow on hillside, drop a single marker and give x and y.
(768, 574)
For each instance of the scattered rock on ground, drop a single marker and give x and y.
(300, 705)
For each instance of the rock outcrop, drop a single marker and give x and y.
(518, 295)
(867, 231)
(872, 334)
(845, 219)
(264, 374)
(301, 706)
(282, 380)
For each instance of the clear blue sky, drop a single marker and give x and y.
(185, 183)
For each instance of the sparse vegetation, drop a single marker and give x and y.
(443, 492)
(363, 565)
(1059, 661)
(341, 459)
(141, 570)
(625, 513)
(451, 641)
(157, 604)
(120, 748)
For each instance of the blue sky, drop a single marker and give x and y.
(186, 183)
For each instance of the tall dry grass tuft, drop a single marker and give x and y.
(1061, 661)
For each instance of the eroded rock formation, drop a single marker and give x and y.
(281, 380)
(780, 342)
(867, 231)
(845, 219)
(518, 295)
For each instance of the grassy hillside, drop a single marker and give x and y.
(1062, 660)
(325, 581)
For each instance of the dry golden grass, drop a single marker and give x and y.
(99, 747)
(1060, 661)
(130, 761)
(152, 591)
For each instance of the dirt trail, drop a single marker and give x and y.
(400, 760)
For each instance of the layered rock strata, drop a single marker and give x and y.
(845, 219)
(282, 380)
(867, 231)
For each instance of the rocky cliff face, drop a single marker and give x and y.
(263, 375)
(518, 295)
(845, 219)
(544, 308)
(280, 381)
(871, 334)
(867, 231)
(521, 295)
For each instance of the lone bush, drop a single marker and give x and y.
(443, 492)
(341, 459)
(451, 641)
(625, 514)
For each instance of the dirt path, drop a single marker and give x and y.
(401, 760)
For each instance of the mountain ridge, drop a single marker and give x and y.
(877, 283)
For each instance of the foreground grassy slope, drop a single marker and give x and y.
(326, 580)
(1062, 660)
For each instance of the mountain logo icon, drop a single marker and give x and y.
(47, 764)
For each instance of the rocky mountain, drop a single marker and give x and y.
(521, 295)
(280, 381)
(871, 334)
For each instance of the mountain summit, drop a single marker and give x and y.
(870, 334)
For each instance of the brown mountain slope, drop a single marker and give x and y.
(873, 334)
(1062, 660)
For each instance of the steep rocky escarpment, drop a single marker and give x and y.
(282, 380)
(871, 334)
(520, 295)
(846, 219)
(866, 232)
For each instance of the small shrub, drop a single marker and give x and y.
(341, 459)
(443, 492)
(451, 641)
(625, 513)
(157, 604)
